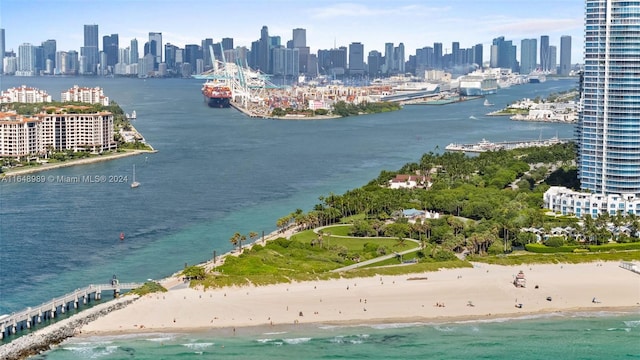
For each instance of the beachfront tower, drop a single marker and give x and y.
(608, 130)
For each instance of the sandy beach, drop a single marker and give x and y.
(484, 291)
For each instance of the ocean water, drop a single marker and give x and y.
(216, 172)
(556, 336)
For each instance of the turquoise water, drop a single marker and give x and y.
(571, 336)
(218, 172)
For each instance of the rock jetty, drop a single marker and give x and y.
(44, 339)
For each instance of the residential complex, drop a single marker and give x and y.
(608, 131)
(72, 127)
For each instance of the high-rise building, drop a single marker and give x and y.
(155, 48)
(374, 62)
(299, 38)
(553, 59)
(565, 55)
(437, 55)
(388, 58)
(399, 58)
(607, 132)
(90, 49)
(133, 53)
(26, 60)
(264, 50)
(206, 53)
(2, 51)
(49, 56)
(477, 55)
(528, 55)
(544, 53)
(356, 58)
(503, 54)
(110, 46)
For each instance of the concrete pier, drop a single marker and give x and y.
(32, 316)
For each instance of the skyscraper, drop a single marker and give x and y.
(356, 58)
(299, 38)
(155, 48)
(565, 55)
(528, 55)
(2, 51)
(90, 49)
(134, 56)
(49, 56)
(437, 55)
(477, 55)
(264, 51)
(26, 60)
(607, 132)
(544, 53)
(388, 58)
(553, 59)
(110, 46)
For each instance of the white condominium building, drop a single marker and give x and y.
(86, 95)
(569, 202)
(24, 94)
(22, 136)
(18, 135)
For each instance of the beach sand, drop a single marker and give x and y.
(484, 291)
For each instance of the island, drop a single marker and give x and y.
(557, 107)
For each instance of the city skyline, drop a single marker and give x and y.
(414, 23)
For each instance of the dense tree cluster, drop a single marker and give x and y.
(344, 109)
(484, 201)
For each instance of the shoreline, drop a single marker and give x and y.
(484, 292)
(46, 167)
(381, 322)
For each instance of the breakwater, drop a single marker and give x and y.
(45, 339)
(33, 316)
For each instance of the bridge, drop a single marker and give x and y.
(32, 316)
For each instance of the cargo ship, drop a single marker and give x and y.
(217, 93)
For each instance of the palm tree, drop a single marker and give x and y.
(253, 235)
(235, 239)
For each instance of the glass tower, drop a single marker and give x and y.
(608, 131)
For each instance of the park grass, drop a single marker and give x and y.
(420, 267)
(522, 258)
(340, 230)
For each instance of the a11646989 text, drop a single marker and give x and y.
(64, 179)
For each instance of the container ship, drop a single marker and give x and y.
(217, 94)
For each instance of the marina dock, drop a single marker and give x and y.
(44, 313)
(485, 145)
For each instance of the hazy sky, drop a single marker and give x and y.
(416, 23)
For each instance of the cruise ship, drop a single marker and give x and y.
(478, 84)
(411, 90)
(217, 93)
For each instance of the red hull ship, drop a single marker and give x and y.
(217, 94)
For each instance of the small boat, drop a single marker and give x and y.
(487, 103)
(133, 115)
(134, 183)
(121, 236)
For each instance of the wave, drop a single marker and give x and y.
(296, 341)
(473, 117)
(632, 323)
(92, 352)
(198, 345)
(275, 333)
